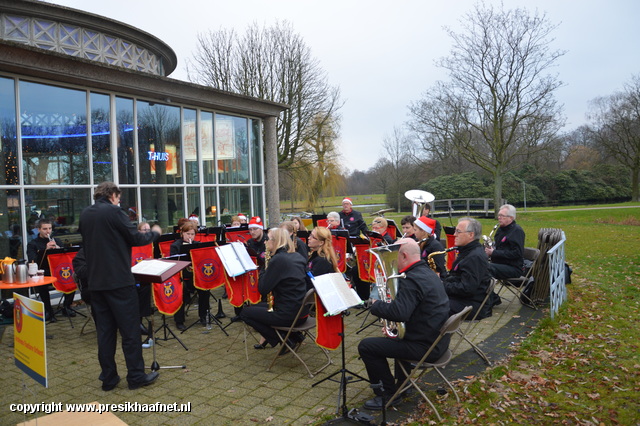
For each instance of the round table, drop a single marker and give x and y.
(29, 283)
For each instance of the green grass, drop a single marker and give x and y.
(583, 367)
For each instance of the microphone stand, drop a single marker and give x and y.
(354, 414)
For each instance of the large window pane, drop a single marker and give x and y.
(234, 201)
(211, 201)
(124, 126)
(258, 206)
(193, 205)
(159, 144)
(190, 146)
(100, 138)
(11, 231)
(129, 203)
(54, 135)
(232, 149)
(206, 143)
(8, 141)
(162, 205)
(256, 151)
(61, 206)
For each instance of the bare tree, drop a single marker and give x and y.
(400, 152)
(617, 128)
(275, 64)
(498, 108)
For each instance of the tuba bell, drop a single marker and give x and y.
(418, 199)
(386, 273)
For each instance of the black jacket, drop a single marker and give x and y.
(469, 277)
(319, 265)
(187, 273)
(509, 247)
(107, 236)
(36, 250)
(353, 222)
(285, 277)
(421, 303)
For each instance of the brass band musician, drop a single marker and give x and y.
(424, 230)
(285, 278)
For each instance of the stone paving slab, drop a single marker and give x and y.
(222, 385)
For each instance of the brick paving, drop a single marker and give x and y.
(222, 385)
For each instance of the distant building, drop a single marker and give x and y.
(85, 99)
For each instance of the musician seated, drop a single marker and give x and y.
(333, 220)
(422, 305)
(424, 230)
(426, 212)
(381, 226)
(507, 255)
(299, 245)
(285, 280)
(407, 227)
(187, 236)
(323, 259)
(468, 279)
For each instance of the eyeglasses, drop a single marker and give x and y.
(459, 231)
(502, 215)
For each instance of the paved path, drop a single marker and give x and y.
(222, 385)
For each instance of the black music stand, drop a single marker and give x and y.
(150, 275)
(329, 291)
(185, 250)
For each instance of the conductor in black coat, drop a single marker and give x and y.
(422, 304)
(285, 279)
(108, 236)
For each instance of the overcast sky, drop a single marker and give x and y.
(381, 54)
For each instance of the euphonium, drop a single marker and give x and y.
(386, 272)
(432, 262)
(488, 240)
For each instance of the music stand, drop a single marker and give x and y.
(62, 279)
(147, 272)
(185, 250)
(330, 288)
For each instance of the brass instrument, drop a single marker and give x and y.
(487, 241)
(419, 199)
(386, 272)
(267, 256)
(432, 262)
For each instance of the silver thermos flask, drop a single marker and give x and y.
(21, 271)
(9, 275)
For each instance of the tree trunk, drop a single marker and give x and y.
(635, 191)
(497, 192)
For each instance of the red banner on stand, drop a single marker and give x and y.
(62, 269)
(328, 328)
(364, 263)
(340, 247)
(208, 270)
(241, 236)
(165, 248)
(138, 254)
(167, 296)
(204, 237)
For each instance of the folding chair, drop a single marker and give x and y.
(304, 328)
(473, 323)
(422, 366)
(517, 285)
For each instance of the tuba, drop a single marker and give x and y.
(418, 199)
(386, 272)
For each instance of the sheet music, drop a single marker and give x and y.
(235, 259)
(151, 267)
(335, 293)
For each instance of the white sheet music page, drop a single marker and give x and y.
(335, 293)
(151, 267)
(243, 256)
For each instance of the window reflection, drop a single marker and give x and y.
(159, 144)
(211, 203)
(8, 142)
(234, 201)
(53, 121)
(190, 146)
(162, 205)
(124, 125)
(100, 135)
(256, 151)
(10, 225)
(206, 147)
(232, 149)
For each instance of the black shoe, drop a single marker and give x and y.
(181, 326)
(260, 345)
(148, 379)
(112, 386)
(377, 403)
(236, 319)
(203, 321)
(495, 300)
(50, 317)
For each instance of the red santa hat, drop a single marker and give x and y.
(242, 217)
(256, 222)
(426, 224)
(347, 200)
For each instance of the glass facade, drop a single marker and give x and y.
(170, 161)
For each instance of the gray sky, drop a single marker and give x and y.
(381, 54)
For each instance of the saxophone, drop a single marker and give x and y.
(267, 256)
(432, 262)
(488, 240)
